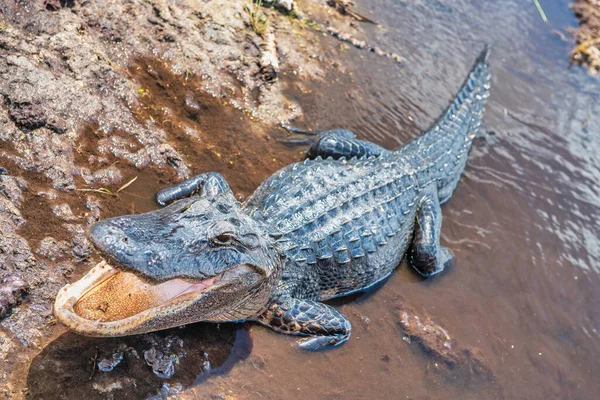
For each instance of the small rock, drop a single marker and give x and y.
(435, 341)
(287, 5)
(12, 289)
(162, 365)
(191, 103)
(64, 212)
(105, 176)
(167, 391)
(81, 247)
(52, 249)
(108, 364)
(27, 116)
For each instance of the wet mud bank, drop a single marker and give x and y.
(101, 106)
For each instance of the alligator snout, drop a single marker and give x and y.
(109, 238)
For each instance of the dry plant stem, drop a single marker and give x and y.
(125, 186)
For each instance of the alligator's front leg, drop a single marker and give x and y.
(426, 255)
(325, 326)
(209, 184)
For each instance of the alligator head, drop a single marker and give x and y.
(199, 259)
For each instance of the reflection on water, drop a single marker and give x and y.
(135, 367)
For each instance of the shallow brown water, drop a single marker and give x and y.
(523, 223)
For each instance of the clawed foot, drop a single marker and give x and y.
(316, 343)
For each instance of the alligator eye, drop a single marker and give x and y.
(224, 239)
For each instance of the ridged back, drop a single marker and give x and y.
(346, 224)
(333, 219)
(445, 145)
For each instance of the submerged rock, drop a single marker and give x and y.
(163, 365)
(108, 364)
(449, 358)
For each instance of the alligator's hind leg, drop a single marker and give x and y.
(325, 326)
(210, 184)
(426, 255)
(338, 143)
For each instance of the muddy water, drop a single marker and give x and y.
(523, 294)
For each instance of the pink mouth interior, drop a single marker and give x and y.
(178, 287)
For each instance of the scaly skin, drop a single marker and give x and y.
(313, 231)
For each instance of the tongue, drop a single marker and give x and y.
(177, 287)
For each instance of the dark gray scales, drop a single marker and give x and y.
(343, 219)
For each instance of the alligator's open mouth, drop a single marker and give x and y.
(110, 302)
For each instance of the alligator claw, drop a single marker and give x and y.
(316, 343)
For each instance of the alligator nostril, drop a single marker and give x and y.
(107, 235)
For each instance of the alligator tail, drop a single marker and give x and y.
(445, 145)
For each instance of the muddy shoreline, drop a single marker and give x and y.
(93, 96)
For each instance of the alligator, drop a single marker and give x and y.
(337, 223)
